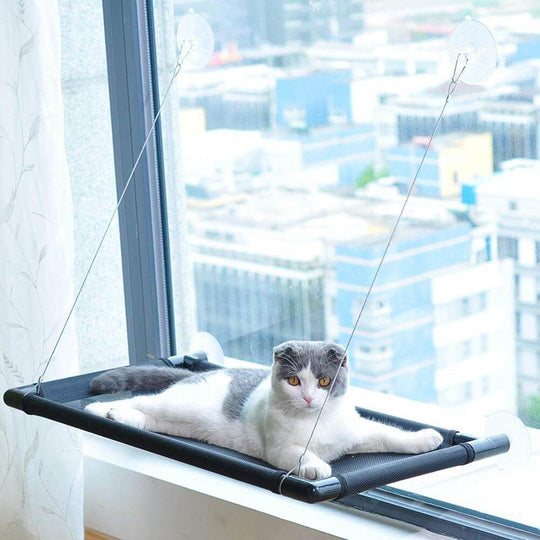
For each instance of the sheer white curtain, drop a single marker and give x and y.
(40, 461)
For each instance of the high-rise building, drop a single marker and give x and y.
(512, 199)
(514, 121)
(233, 98)
(252, 300)
(252, 23)
(302, 22)
(260, 274)
(437, 326)
(417, 115)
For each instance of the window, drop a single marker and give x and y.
(508, 247)
(462, 307)
(274, 226)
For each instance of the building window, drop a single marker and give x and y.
(508, 248)
(512, 205)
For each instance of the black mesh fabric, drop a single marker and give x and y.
(64, 401)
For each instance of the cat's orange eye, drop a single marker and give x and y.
(324, 381)
(294, 381)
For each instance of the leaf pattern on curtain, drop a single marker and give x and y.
(40, 461)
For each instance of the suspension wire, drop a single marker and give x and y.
(451, 89)
(177, 68)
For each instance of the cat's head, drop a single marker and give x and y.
(303, 372)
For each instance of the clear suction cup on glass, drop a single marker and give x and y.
(477, 46)
(195, 39)
(520, 443)
(208, 344)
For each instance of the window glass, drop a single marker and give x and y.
(100, 314)
(288, 157)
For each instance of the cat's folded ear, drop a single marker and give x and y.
(336, 352)
(283, 352)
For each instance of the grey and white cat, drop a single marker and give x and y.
(266, 413)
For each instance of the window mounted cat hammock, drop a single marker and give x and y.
(473, 52)
(64, 400)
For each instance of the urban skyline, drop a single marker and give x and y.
(308, 144)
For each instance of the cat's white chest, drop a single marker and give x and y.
(326, 439)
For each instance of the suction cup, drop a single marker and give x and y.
(520, 443)
(204, 342)
(195, 39)
(474, 42)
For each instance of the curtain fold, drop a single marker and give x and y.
(40, 461)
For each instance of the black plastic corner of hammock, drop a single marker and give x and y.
(64, 400)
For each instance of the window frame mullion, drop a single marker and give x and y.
(142, 216)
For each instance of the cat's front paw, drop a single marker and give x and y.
(425, 440)
(314, 468)
(128, 416)
(98, 408)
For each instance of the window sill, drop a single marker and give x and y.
(327, 518)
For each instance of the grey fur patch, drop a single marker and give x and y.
(323, 357)
(243, 383)
(139, 378)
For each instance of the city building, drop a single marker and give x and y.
(252, 299)
(417, 115)
(346, 149)
(261, 277)
(452, 160)
(310, 99)
(254, 23)
(281, 264)
(232, 98)
(438, 325)
(512, 199)
(303, 22)
(513, 119)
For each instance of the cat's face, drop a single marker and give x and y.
(303, 372)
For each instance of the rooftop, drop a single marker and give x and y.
(299, 224)
(519, 180)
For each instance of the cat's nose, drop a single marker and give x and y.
(308, 399)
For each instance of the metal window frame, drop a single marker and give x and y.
(437, 516)
(142, 216)
(134, 96)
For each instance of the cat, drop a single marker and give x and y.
(265, 413)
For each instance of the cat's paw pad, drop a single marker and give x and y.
(128, 416)
(315, 469)
(426, 440)
(98, 408)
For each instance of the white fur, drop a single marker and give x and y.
(275, 424)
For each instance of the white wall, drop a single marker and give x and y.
(129, 505)
(495, 366)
